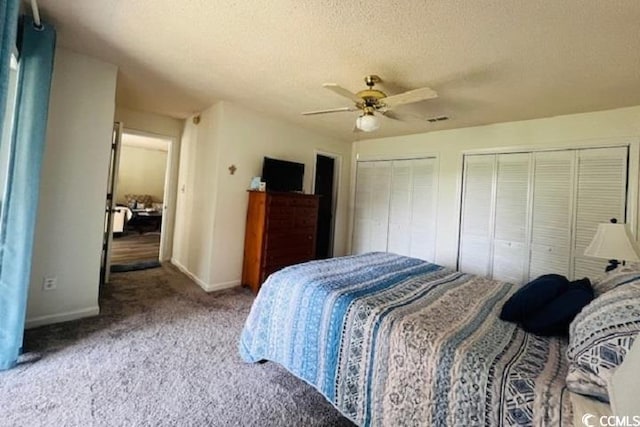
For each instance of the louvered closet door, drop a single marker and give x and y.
(399, 241)
(371, 213)
(553, 183)
(412, 213)
(601, 195)
(476, 229)
(423, 209)
(510, 246)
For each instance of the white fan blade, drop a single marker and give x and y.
(409, 97)
(393, 116)
(342, 92)
(332, 110)
(401, 116)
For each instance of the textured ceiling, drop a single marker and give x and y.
(490, 61)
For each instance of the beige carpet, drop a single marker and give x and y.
(162, 353)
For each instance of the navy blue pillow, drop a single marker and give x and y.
(533, 296)
(554, 318)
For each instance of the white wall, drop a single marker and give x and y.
(70, 220)
(142, 171)
(231, 135)
(598, 128)
(149, 122)
(196, 196)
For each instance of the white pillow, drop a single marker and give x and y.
(624, 388)
(601, 336)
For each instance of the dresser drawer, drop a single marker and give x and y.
(285, 238)
(305, 221)
(305, 211)
(279, 200)
(276, 225)
(288, 256)
(280, 212)
(304, 201)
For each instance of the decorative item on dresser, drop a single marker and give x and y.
(280, 231)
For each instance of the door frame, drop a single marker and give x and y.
(169, 192)
(110, 202)
(337, 167)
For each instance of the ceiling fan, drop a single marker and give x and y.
(371, 101)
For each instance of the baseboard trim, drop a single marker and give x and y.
(207, 287)
(223, 285)
(191, 276)
(66, 316)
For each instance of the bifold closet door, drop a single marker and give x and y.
(424, 188)
(529, 214)
(371, 212)
(552, 207)
(601, 195)
(511, 237)
(399, 239)
(412, 208)
(476, 227)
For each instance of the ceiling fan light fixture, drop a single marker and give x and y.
(372, 100)
(367, 122)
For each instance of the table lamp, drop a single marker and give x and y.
(614, 242)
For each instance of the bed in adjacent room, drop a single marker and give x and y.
(391, 340)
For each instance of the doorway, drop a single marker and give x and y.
(325, 186)
(140, 193)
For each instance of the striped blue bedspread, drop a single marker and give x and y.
(391, 340)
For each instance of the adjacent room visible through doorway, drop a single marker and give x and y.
(140, 202)
(325, 185)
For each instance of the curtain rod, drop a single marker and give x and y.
(36, 13)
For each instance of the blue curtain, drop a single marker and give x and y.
(20, 205)
(9, 26)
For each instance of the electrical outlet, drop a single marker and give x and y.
(49, 283)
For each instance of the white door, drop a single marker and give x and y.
(551, 224)
(412, 209)
(371, 212)
(476, 228)
(423, 209)
(395, 207)
(110, 203)
(601, 195)
(511, 245)
(525, 215)
(399, 240)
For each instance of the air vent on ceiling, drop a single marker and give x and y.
(437, 119)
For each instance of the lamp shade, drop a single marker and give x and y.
(613, 241)
(367, 123)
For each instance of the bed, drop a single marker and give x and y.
(392, 340)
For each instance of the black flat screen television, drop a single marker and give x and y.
(281, 175)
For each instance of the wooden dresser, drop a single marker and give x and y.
(280, 231)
